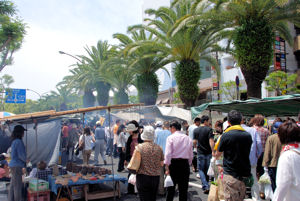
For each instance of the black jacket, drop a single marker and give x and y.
(127, 153)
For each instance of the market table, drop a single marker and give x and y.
(89, 196)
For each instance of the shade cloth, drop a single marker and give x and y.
(288, 105)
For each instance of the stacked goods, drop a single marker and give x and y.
(84, 170)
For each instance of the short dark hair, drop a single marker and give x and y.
(166, 124)
(235, 117)
(118, 121)
(197, 119)
(289, 132)
(204, 118)
(176, 125)
(42, 165)
(87, 130)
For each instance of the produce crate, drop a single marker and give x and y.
(38, 196)
(38, 185)
(77, 192)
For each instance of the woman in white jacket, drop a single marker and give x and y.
(288, 170)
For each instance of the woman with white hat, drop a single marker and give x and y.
(133, 140)
(152, 158)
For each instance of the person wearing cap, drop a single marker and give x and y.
(158, 125)
(17, 162)
(133, 140)
(152, 158)
(100, 143)
(178, 158)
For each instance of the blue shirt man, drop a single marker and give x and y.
(162, 135)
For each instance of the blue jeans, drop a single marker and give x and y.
(109, 146)
(203, 165)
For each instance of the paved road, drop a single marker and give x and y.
(195, 192)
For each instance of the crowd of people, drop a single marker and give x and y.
(242, 149)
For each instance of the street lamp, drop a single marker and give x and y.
(35, 92)
(61, 52)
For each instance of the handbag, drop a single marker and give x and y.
(135, 160)
(80, 147)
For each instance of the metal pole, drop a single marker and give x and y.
(112, 161)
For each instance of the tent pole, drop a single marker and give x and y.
(83, 115)
(112, 161)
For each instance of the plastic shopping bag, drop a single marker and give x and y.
(168, 182)
(265, 179)
(132, 179)
(210, 171)
(268, 192)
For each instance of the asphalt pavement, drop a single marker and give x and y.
(195, 193)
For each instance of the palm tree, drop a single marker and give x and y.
(184, 46)
(80, 82)
(94, 63)
(252, 26)
(119, 76)
(144, 61)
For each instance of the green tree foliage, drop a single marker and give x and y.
(144, 61)
(5, 81)
(229, 90)
(12, 31)
(251, 25)
(184, 45)
(282, 83)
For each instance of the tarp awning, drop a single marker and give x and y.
(288, 105)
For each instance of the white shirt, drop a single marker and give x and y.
(87, 142)
(288, 177)
(122, 139)
(191, 131)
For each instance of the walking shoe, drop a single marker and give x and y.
(206, 191)
(198, 175)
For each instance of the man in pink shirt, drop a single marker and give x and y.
(178, 158)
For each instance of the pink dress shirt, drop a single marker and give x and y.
(178, 145)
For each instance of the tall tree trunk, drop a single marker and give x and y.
(147, 86)
(187, 74)
(88, 98)
(253, 42)
(121, 97)
(103, 93)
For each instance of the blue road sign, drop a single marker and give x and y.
(15, 96)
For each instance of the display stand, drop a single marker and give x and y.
(102, 194)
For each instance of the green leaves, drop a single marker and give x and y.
(282, 83)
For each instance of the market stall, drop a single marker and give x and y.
(288, 105)
(57, 182)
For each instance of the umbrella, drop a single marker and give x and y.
(6, 114)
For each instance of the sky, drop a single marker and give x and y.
(69, 26)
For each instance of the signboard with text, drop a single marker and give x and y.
(15, 96)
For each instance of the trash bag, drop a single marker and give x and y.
(132, 179)
(265, 179)
(210, 171)
(168, 182)
(268, 191)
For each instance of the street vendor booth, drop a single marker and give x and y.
(73, 175)
(288, 105)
